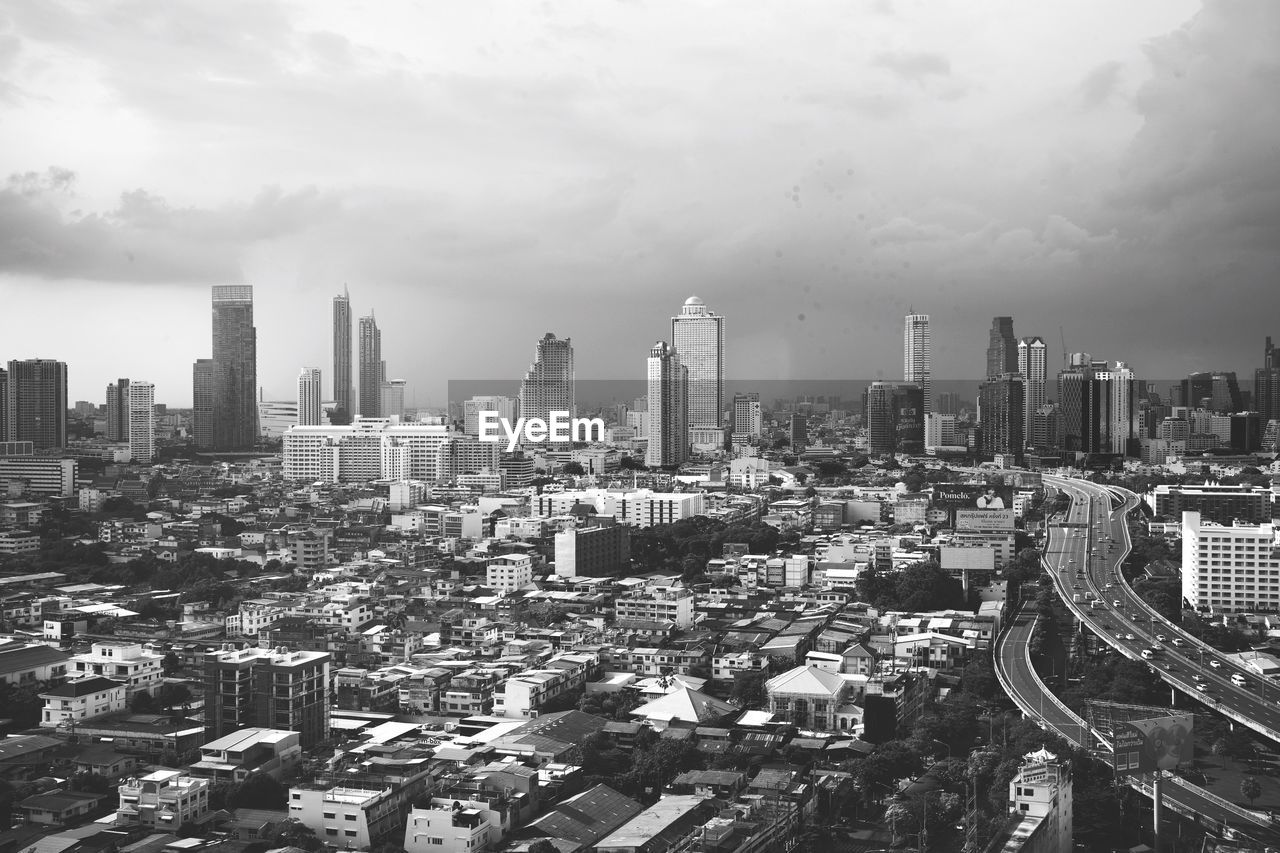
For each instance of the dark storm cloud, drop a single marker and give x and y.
(143, 239)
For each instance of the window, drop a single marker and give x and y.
(350, 833)
(330, 815)
(329, 831)
(348, 817)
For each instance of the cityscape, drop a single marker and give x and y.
(537, 481)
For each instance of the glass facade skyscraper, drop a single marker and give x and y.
(373, 370)
(668, 408)
(235, 368)
(342, 352)
(36, 403)
(698, 337)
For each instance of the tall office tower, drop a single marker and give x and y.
(948, 403)
(880, 417)
(548, 383)
(1266, 384)
(37, 403)
(373, 370)
(309, 394)
(268, 688)
(1033, 364)
(1071, 382)
(1216, 391)
(235, 368)
(798, 433)
(939, 431)
(505, 407)
(917, 357)
(698, 336)
(391, 398)
(142, 421)
(1110, 417)
(748, 419)
(1044, 427)
(342, 351)
(1002, 348)
(202, 402)
(1001, 404)
(909, 415)
(4, 405)
(668, 408)
(118, 410)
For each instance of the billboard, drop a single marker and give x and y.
(1161, 743)
(957, 496)
(984, 519)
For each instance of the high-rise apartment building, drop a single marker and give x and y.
(202, 402)
(748, 419)
(342, 352)
(505, 407)
(698, 336)
(668, 408)
(4, 405)
(1002, 348)
(1033, 364)
(268, 688)
(1229, 568)
(118, 410)
(548, 383)
(142, 421)
(36, 403)
(798, 432)
(1266, 384)
(391, 398)
(373, 370)
(917, 356)
(1001, 402)
(310, 405)
(235, 368)
(1099, 407)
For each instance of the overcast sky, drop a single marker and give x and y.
(480, 173)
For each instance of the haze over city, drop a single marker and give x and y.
(479, 175)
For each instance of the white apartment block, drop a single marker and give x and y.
(659, 604)
(639, 507)
(82, 699)
(165, 799)
(1229, 569)
(452, 826)
(138, 669)
(340, 817)
(1041, 793)
(509, 572)
(383, 449)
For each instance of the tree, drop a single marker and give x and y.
(1250, 789)
(542, 845)
(171, 664)
(259, 791)
(142, 702)
(573, 469)
(172, 695)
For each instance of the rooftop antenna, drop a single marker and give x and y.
(1063, 338)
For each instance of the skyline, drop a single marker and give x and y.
(784, 168)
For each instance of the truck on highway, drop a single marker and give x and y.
(1077, 597)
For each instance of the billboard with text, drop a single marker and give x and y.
(1162, 743)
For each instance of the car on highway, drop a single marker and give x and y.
(1215, 663)
(1160, 637)
(1117, 603)
(1197, 677)
(1130, 637)
(1177, 641)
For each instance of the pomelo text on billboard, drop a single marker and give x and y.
(560, 427)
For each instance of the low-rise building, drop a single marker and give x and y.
(82, 699)
(236, 757)
(164, 800)
(452, 826)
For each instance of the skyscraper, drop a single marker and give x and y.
(748, 421)
(342, 351)
(879, 413)
(142, 421)
(1266, 384)
(1217, 391)
(698, 337)
(1001, 403)
(1033, 364)
(917, 357)
(668, 408)
(1100, 411)
(505, 407)
(4, 405)
(36, 403)
(548, 383)
(1002, 348)
(202, 402)
(373, 370)
(118, 410)
(391, 398)
(309, 385)
(235, 368)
